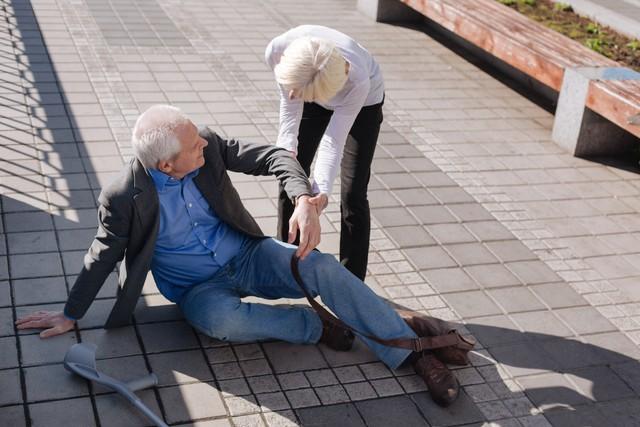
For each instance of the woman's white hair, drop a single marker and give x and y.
(154, 136)
(313, 66)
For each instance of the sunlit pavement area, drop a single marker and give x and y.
(478, 218)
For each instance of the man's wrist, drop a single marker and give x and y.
(301, 198)
(66, 316)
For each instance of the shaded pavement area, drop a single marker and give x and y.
(478, 218)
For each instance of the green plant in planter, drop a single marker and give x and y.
(563, 7)
(529, 2)
(508, 2)
(634, 45)
(594, 44)
(593, 28)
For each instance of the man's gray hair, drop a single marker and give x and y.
(154, 138)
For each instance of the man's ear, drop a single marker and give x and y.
(164, 166)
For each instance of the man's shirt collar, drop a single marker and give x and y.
(161, 179)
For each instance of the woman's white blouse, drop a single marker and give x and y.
(364, 87)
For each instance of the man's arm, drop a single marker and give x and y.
(106, 250)
(263, 159)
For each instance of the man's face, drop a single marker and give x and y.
(191, 155)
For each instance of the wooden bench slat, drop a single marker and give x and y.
(617, 101)
(530, 47)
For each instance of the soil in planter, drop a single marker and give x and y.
(561, 18)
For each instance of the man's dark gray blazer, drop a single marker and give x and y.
(128, 217)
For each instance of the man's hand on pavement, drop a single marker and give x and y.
(305, 218)
(53, 323)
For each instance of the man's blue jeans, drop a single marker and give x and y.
(262, 269)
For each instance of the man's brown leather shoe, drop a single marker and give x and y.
(426, 326)
(336, 337)
(443, 385)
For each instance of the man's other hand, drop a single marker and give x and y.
(305, 218)
(53, 323)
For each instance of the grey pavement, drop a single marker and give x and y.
(621, 15)
(478, 218)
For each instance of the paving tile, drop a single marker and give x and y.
(38, 291)
(387, 387)
(551, 389)
(449, 280)
(429, 257)
(489, 230)
(52, 382)
(360, 391)
(75, 412)
(415, 197)
(359, 353)
(511, 250)
(492, 275)
(5, 294)
(343, 415)
(541, 325)
(495, 330)
(255, 367)
(191, 401)
(494, 410)
(224, 371)
(472, 304)
(600, 383)
(273, 401)
(533, 272)
(156, 308)
(409, 236)
(285, 357)
(451, 233)
(322, 377)
(234, 387)
(558, 295)
(37, 241)
(470, 254)
(10, 390)
(242, 405)
(293, 381)
(524, 358)
(585, 320)
(390, 217)
(558, 350)
(180, 367)
(36, 351)
(97, 314)
(167, 336)
(470, 212)
(263, 384)
(516, 299)
(302, 398)
(35, 265)
(391, 411)
(281, 419)
(115, 411)
(580, 416)
(432, 215)
(463, 411)
(614, 346)
(331, 395)
(13, 415)
(114, 342)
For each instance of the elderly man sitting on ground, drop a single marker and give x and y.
(174, 211)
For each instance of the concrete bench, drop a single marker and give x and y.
(598, 102)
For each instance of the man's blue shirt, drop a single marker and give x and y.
(193, 243)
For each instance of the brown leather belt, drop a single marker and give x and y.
(418, 344)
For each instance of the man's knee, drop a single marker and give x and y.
(225, 322)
